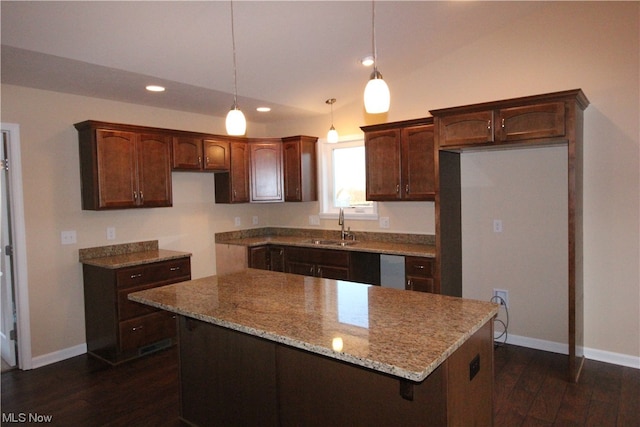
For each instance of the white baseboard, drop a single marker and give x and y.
(57, 356)
(589, 353)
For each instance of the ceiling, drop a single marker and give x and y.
(291, 55)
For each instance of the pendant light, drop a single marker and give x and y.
(376, 93)
(236, 123)
(332, 135)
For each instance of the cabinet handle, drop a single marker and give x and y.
(311, 271)
(141, 198)
(502, 124)
(297, 191)
(135, 276)
(174, 269)
(408, 288)
(136, 328)
(419, 267)
(199, 160)
(406, 189)
(235, 194)
(135, 196)
(319, 271)
(489, 126)
(207, 159)
(397, 188)
(281, 251)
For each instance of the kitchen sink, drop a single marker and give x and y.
(323, 242)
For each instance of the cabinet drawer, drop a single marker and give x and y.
(128, 309)
(147, 329)
(156, 272)
(418, 267)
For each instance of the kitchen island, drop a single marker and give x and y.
(266, 348)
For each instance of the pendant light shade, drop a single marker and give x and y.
(332, 135)
(376, 94)
(236, 123)
(377, 97)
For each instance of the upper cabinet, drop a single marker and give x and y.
(124, 166)
(300, 173)
(266, 170)
(495, 126)
(233, 186)
(193, 153)
(400, 160)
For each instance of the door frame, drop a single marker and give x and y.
(20, 247)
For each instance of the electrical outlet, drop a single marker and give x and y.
(255, 220)
(68, 237)
(501, 296)
(384, 222)
(237, 221)
(314, 220)
(111, 233)
(497, 226)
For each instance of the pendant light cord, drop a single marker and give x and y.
(373, 35)
(235, 73)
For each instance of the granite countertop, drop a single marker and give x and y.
(383, 243)
(128, 255)
(401, 333)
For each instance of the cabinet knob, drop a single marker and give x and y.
(174, 269)
(136, 328)
(135, 276)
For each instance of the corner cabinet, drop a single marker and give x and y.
(400, 160)
(300, 170)
(123, 166)
(233, 186)
(266, 170)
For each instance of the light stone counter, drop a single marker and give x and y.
(401, 333)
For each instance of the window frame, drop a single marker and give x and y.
(325, 181)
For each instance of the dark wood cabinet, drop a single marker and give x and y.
(330, 264)
(233, 186)
(266, 170)
(123, 166)
(300, 168)
(267, 257)
(496, 126)
(400, 161)
(118, 329)
(192, 153)
(419, 274)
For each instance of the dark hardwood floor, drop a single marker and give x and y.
(530, 391)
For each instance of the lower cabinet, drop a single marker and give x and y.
(325, 263)
(418, 273)
(118, 329)
(267, 257)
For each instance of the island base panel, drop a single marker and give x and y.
(231, 378)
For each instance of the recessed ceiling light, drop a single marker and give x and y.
(263, 109)
(367, 61)
(155, 88)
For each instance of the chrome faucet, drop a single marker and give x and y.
(344, 234)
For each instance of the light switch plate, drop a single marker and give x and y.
(68, 237)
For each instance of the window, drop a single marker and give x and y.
(343, 179)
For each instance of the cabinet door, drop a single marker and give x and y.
(382, 151)
(266, 171)
(276, 258)
(154, 170)
(466, 129)
(420, 284)
(332, 272)
(239, 172)
(418, 173)
(187, 153)
(217, 154)
(258, 257)
(300, 173)
(531, 122)
(117, 169)
(300, 267)
(292, 172)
